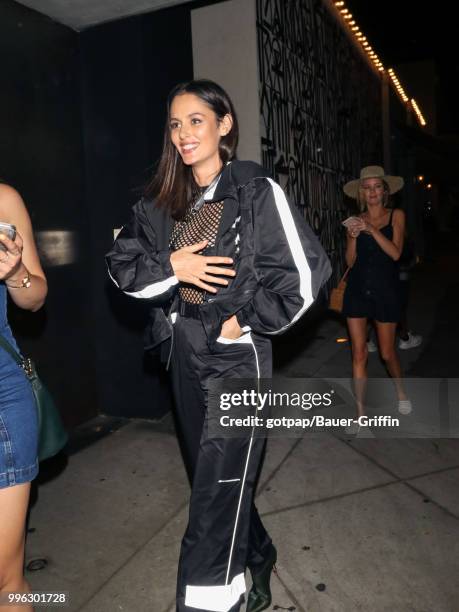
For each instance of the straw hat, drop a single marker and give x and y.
(352, 187)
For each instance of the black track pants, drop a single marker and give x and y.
(224, 533)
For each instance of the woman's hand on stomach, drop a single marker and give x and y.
(194, 269)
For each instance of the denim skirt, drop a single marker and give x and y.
(18, 425)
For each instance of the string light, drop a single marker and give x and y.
(417, 110)
(373, 57)
(354, 28)
(397, 85)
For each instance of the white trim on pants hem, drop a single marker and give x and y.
(215, 598)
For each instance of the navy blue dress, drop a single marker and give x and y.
(373, 284)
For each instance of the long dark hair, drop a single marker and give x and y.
(173, 185)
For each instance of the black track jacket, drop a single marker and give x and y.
(280, 264)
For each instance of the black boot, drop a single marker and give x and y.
(260, 594)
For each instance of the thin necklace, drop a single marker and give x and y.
(200, 201)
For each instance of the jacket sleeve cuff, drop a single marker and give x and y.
(242, 321)
(165, 261)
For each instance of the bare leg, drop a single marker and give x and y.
(13, 508)
(386, 338)
(358, 332)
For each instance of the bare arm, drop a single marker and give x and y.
(351, 247)
(21, 258)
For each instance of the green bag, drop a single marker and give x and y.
(52, 435)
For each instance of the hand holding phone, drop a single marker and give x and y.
(350, 221)
(9, 231)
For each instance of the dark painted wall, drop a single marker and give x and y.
(81, 119)
(321, 113)
(128, 68)
(41, 154)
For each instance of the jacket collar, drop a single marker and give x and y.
(224, 187)
(226, 190)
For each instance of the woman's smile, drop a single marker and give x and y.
(188, 148)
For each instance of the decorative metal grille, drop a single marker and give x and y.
(320, 112)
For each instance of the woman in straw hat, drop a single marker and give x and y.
(374, 245)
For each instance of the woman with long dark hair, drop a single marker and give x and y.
(22, 278)
(216, 243)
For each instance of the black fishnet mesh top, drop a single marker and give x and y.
(197, 225)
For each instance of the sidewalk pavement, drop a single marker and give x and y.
(360, 524)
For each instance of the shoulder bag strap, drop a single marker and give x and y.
(343, 278)
(10, 350)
